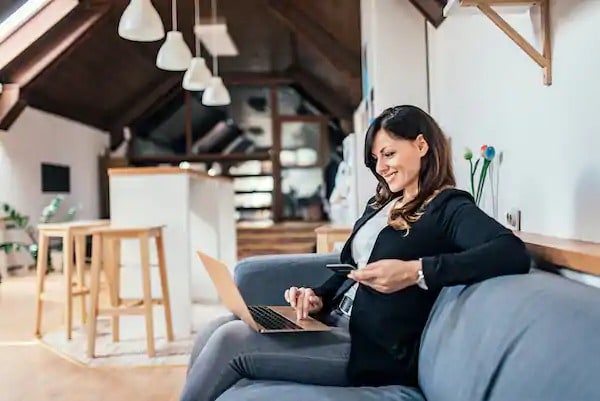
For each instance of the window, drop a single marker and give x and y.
(14, 13)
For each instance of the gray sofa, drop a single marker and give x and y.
(532, 337)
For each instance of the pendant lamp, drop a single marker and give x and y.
(216, 94)
(140, 22)
(174, 54)
(198, 75)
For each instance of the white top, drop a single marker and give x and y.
(364, 241)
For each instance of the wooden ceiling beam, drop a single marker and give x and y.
(52, 48)
(301, 24)
(433, 10)
(11, 105)
(255, 78)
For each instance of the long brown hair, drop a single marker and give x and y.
(436, 174)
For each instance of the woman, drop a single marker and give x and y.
(417, 235)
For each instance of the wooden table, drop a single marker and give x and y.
(329, 235)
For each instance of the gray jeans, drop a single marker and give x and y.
(228, 350)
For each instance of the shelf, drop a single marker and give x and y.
(205, 157)
(543, 58)
(248, 175)
(300, 167)
(582, 256)
(260, 191)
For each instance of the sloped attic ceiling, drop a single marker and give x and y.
(107, 82)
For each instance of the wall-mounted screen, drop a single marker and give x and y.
(56, 178)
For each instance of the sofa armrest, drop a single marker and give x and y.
(263, 279)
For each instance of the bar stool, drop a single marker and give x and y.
(70, 232)
(106, 246)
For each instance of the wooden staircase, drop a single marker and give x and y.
(276, 238)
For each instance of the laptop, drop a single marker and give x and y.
(263, 319)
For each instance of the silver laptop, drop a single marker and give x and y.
(263, 319)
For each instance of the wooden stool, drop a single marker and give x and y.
(106, 245)
(69, 232)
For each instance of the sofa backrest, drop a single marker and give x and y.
(527, 337)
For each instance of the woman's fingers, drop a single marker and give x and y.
(300, 304)
(318, 302)
(307, 303)
(303, 300)
(293, 294)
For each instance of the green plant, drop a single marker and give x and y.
(487, 155)
(13, 219)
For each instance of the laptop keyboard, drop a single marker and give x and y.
(270, 319)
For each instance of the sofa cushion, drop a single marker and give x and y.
(528, 337)
(246, 390)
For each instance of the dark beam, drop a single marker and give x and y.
(340, 57)
(433, 10)
(11, 105)
(54, 46)
(201, 158)
(318, 90)
(116, 137)
(255, 78)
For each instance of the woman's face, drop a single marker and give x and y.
(398, 160)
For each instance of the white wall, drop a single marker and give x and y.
(486, 90)
(393, 32)
(38, 137)
(397, 41)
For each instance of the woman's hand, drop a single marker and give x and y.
(304, 300)
(388, 275)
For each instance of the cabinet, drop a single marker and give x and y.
(196, 212)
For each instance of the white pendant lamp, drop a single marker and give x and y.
(174, 54)
(141, 22)
(216, 94)
(198, 75)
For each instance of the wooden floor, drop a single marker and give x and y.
(29, 371)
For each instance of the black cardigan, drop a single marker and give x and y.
(458, 244)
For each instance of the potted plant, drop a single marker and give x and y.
(12, 219)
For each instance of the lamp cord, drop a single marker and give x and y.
(197, 11)
(215, 56)
(174, 14)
